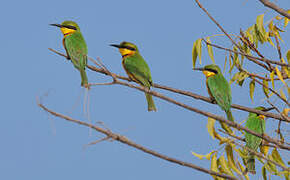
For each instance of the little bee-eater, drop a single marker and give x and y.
(76, 47)
(136, 68)
(218, 88)
(256, 123)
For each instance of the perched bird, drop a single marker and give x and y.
(256, 123)
(218, 88)
(136, 68)
(75, 47)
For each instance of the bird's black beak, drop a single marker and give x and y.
(198, 69)
(57, 25)
(115, 45)
(268, 109)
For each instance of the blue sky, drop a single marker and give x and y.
(35, 145)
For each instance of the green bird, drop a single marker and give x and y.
(255, 122)
(136, 68)
(218, 88)
(76, 47)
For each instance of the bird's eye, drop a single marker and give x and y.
(131, 48)
(70, 27)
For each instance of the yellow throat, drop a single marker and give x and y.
(208, 73)
(67, 31)
(126, 52)
(262, 117)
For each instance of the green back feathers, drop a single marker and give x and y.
(219, 87)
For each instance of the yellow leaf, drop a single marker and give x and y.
(194, 54)
(264, 149)
(252, 89)
(210, 127)
(209, 155)
(278, 18)
(286, 21)
(200, 156)
(234, 78)
(243, 170)
(198, 48)
(209, 49)
(280, 75)
(271, 42)
(286, 111)
(226, 127)
(277, 158)
(224, 165)
(214, 165)
(286, 175)
(272, 74)
(288, 56)
(266, 88)
(230, 158)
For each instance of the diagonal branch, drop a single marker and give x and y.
(125, 140)
(275, 8)
(204, 113)
(182, 92)
(223, 30)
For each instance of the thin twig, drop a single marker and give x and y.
(275, 8)
(247, 55)
(125, 140)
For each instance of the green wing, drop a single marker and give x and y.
(77, 49)
(258, 125)
(221, 91)
(137, 66)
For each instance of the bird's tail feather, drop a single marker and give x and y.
(251, 164)
(150, 102)
(229, 115)
(84, 78)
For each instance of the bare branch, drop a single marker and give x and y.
(248, 56)
(275, 8)
(125, 140)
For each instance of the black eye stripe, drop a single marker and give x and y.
(69, 27)
(212, 70)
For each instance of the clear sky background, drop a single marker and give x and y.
(35, 145)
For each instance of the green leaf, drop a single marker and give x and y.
(209, 50)
(198, 48)
(194, 54)
(242, 76)
(252, 89)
